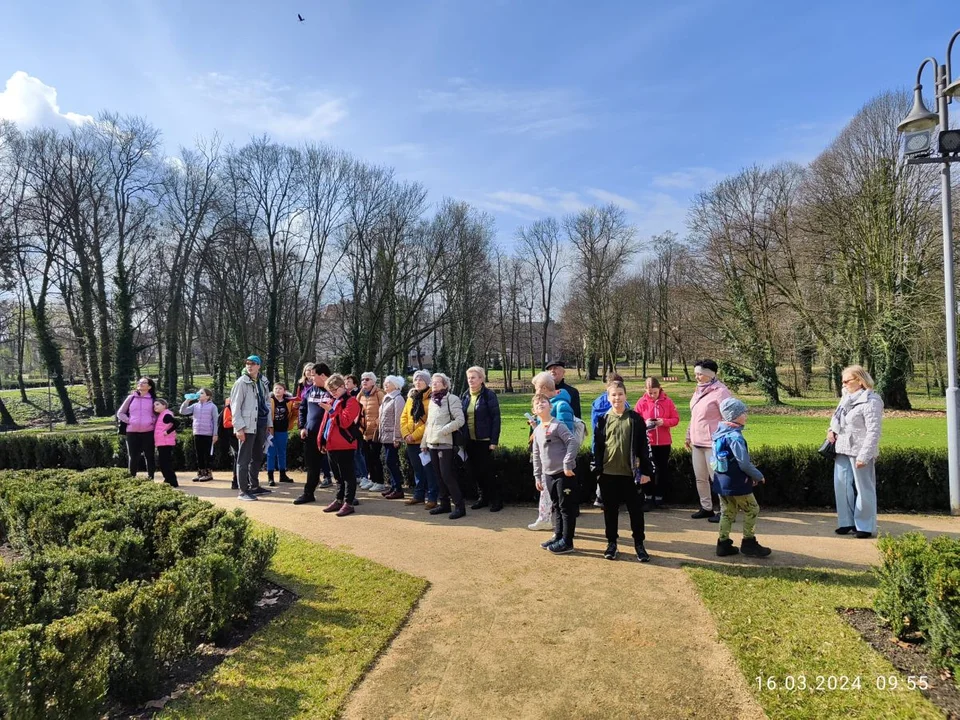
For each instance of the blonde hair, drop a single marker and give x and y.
(479, 371)
(162, 402)
(303, 373)
(538, 397)
(544, 380)
(444, 378)
(860, 374)
(335, 381)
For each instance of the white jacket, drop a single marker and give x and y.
(391, 408)
(442, 422)
(858, 431)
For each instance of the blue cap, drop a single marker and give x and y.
(254, 359)
(731, 409)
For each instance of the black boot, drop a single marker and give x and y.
(459, 511)
(270, 481)
(284, 477)
(726, 547)
(443, 507)
(751, 548)
(480, 503)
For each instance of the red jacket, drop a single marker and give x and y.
(661, 408)
(340, 429)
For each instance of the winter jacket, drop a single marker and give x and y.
(442, 421)
(283, 415)
(370, 420)
(407, 425)
(391, 412)
(560, 408)
(857, 425)
(341, 428)
(554, 450)
(486, 416)
(244, 403)
(661, 408)
(639, 449)
(204, 416)
(311, 416)
(740, 472)
(137, 413)
(573, 396)
(705, 412)
(165, 430)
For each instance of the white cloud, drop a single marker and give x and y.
(29, 102)
(540, 113)
(608, 197)
(527, 200)
(262, 105)
(692, 178)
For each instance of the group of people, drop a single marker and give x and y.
(354, 431)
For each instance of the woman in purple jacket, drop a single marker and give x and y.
(137, 412)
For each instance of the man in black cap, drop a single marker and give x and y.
(558, 369)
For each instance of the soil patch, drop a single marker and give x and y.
(8, 556)
(274, 600)
(911, 659)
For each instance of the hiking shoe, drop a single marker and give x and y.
(272, 483)
(285, 478)
(413, 501)
(845, 530)
(347, 509)
(751, 548)
(560, 547)
(541, 525)
(862, 534)
(611, 552)
(334, 506)
(326, 482)
(246, 496)
(715, 518)
(547, 543)
(260, 491)
(304, 499)
(701, 514)
(642, 554)
(429, 504)
(726, 547)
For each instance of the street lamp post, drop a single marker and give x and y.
(921, 119)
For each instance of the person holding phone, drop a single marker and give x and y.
(660, 414)
(315, 402)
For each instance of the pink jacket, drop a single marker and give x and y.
(137, 413)
(705, 412)
(661, 408)
(160, 436)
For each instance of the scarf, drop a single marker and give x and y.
(438, 397)
(844, 407)
(418, 412)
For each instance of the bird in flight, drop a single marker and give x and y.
(299, 17)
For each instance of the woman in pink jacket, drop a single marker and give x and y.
(139, 419)
(660, 414)
(704, 418)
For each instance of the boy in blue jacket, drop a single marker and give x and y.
(734, 478)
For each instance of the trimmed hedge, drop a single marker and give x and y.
(797, 476)
(117, 578)
(920, 592)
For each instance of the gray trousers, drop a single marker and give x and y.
(250, 458)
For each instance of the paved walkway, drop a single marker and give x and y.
(507, 630)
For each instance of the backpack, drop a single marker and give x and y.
(227, 417)
(579, 430)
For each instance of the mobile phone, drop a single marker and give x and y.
(528, 416)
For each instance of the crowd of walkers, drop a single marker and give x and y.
(353, 432)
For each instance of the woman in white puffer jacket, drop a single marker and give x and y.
(855, 428)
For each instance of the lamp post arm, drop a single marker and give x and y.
(933, 61)
(949, 77)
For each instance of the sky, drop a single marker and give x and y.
(524, 109)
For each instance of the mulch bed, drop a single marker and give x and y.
(187, 671)
(911, 659)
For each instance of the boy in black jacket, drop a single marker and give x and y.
(621, 461)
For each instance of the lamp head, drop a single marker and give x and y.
(919, 117)
(953, 89)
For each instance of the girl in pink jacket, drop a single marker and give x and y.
(704, 419)
(165, 438)
(660, 414)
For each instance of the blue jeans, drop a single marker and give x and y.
(425, 480)
(277, 453)
(856, 492)
(392, 455)
(359, 461)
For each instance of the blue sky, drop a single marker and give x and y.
(525, 109)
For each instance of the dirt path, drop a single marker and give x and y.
(507, 630)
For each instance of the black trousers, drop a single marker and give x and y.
(565, 494)
(371, 453)
(661, 475)
(446, 472)
(617, 490)
(346, 474)
(480, 467)
(311, 462)
(138, 444)
(202, 444)
(165, 461)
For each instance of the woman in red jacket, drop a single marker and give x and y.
(338, 438)
(660, 414)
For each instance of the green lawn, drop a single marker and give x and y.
(304, 663)
(797, 654)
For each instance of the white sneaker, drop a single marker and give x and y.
(540, 525)
(365, 484)
(377, 487)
